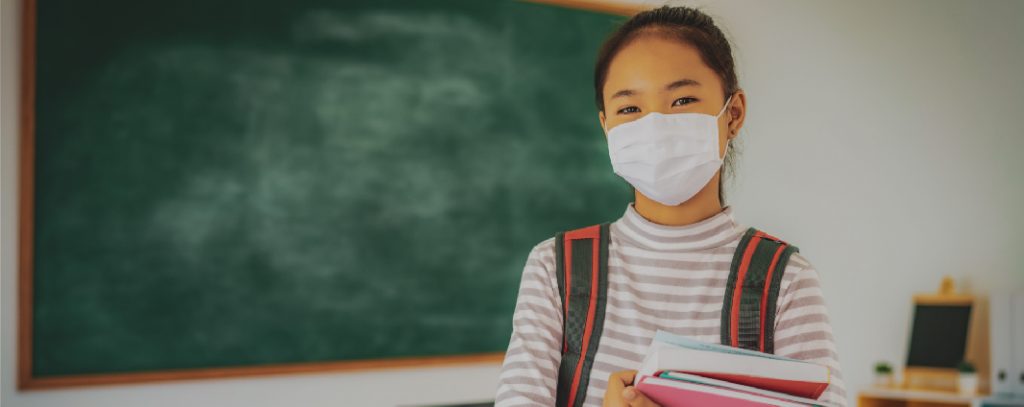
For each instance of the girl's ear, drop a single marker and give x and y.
(600, 117)
(737, 111)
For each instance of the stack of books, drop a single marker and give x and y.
(681, 372)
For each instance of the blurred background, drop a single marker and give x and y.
(882, 139)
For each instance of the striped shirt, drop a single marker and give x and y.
(659, 277)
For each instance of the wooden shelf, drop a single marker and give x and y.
(895, 397)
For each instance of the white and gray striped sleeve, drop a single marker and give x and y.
(802, 327)
(530, 370)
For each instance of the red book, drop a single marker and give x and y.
(808, 389)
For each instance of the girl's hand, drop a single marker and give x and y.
(621, 393)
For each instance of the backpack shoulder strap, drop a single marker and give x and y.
(582, 274)
(751, 292)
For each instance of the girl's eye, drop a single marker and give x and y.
(626, 110)
(687, 100)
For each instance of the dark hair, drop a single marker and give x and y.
(684, 24)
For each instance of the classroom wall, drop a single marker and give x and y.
(882, 138)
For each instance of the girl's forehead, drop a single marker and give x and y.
(649, 61)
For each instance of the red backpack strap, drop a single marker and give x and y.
(582, 274)
(752, 290)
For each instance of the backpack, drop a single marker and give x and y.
(748, 309)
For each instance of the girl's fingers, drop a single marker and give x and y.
(636, 399)
(616, 383)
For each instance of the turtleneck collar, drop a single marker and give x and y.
(712, 232)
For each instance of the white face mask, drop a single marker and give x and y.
(667, 157)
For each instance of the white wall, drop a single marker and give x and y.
(882, 138)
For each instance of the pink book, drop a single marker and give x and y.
(677, 393)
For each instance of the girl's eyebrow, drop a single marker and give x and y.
(675, 84)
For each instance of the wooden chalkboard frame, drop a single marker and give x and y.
(938, 378)
(26, 192)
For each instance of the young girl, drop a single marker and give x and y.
(670, 253)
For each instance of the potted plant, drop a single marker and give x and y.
(968, 383)
(883, 374)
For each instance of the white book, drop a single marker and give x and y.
(1017, 343)
(1001, 341)
(676, 353)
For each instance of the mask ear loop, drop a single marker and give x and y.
(722, 158)
(723, 107)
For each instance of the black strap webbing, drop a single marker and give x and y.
(583, 287)
(751, 292)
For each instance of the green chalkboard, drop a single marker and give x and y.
(241, 183)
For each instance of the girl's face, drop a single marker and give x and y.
(652, 74)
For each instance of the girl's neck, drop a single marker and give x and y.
(702, 206)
